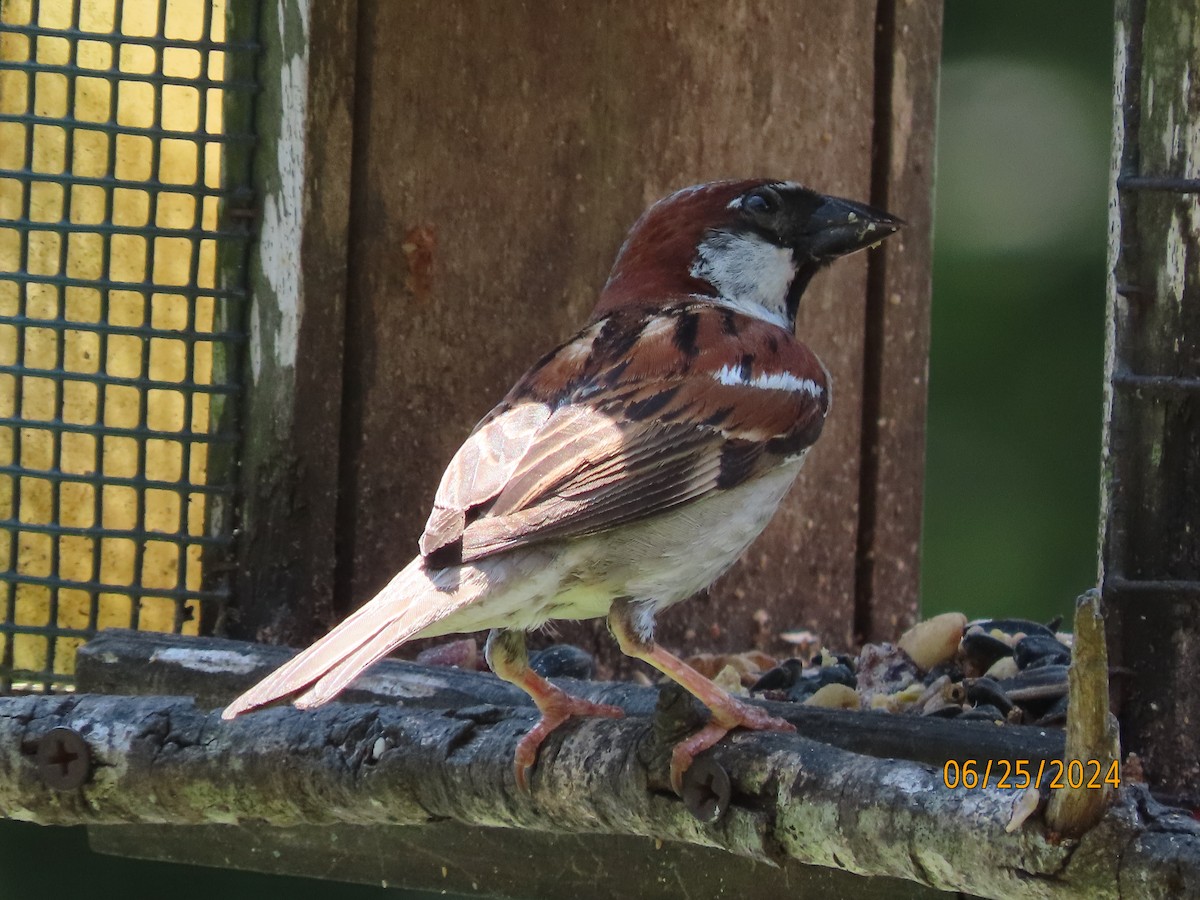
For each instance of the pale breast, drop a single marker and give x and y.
(662, 560)
(673, 556)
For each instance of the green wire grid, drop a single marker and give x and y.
(116, 473)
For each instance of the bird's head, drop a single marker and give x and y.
(751, 245)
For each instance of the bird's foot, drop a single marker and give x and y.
(557, 707)
(727, 715)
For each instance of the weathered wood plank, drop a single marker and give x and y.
(499, 162)
(160, 760)
(213, 671)
(907, 60)
(293, 374)
(1151, 476)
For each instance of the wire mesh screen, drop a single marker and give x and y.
(121, 295)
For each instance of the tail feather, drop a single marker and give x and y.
(340, 675)
(409, 603)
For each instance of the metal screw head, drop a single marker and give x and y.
(63, 759)
(706, 790)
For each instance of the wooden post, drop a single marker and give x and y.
(1151, 476)
(896, 358)
(291, 416)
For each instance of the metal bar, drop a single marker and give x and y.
(110, 171)
(140, 502)
(117, 39)
(155, 78)
(1165, 383)
(8, 658)
(56, 438)
(40, 630)
(146, 331)
(1159, 183)
(99, 378)
(27, 175)
(116, 431)
(190, 352)
(97, 478)
(152, 247)
(233, 261)
(65, 226)
(99, 531)
(128, 590)
(128, 130)
(108, 284)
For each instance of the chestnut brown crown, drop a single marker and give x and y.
(753, 245)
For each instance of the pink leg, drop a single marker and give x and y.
(728, 712)
(506, 655)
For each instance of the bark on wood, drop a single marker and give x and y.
(1151, 489)
(441, 748)
(504, 157)
(159, 760)
(214, 670)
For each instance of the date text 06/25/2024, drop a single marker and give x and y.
(973, 774)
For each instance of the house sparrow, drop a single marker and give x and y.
(630, 466)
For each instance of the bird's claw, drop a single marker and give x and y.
(563, 708)
(733, 715)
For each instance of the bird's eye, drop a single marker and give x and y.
(759, 203)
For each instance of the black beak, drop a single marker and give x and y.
(840, 226)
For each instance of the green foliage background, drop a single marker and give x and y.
(1015, 375)
(1016, 365)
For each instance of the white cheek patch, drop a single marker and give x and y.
(750, 273)
(769, 381)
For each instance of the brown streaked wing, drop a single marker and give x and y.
(633, 470)
(633, 435)
(480, 470)
(588, 471)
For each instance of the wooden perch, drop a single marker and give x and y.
(214, 670)
(163, 760)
